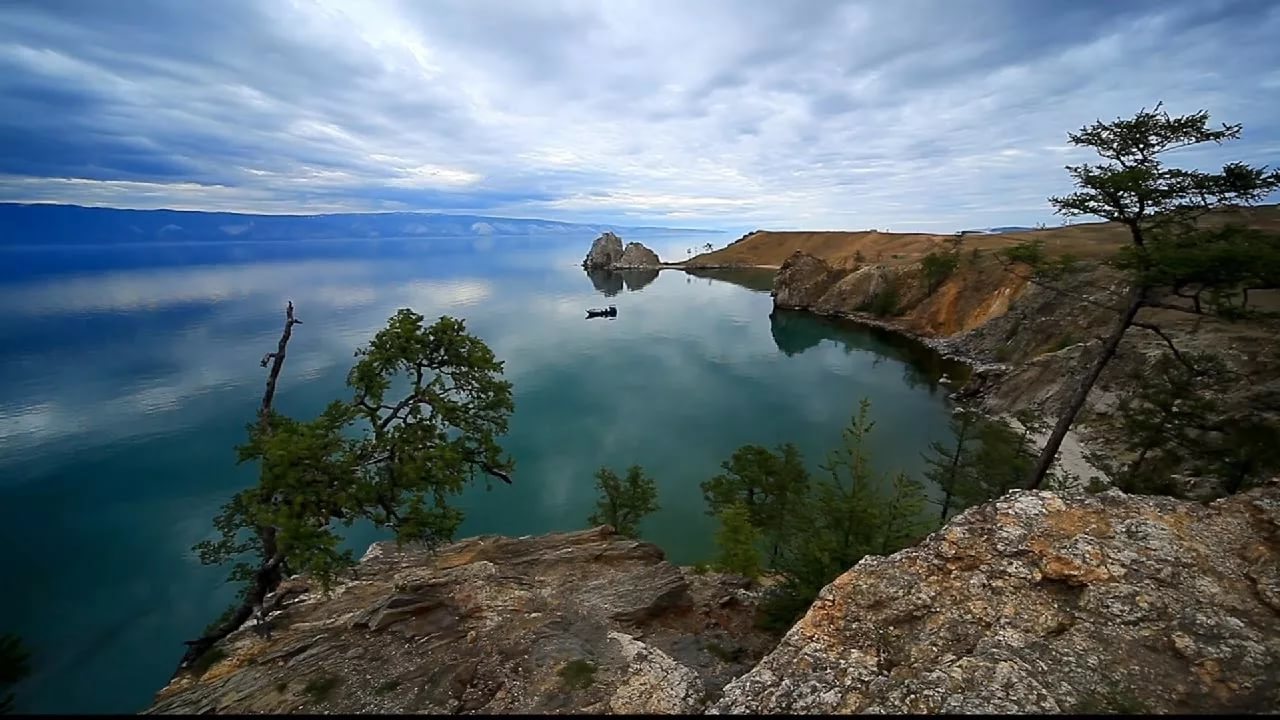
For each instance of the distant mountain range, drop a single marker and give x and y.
(72, 224)
(998, 230)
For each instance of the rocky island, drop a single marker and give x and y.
(608, 253)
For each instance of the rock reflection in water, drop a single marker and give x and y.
(611, 282)
(796, 331)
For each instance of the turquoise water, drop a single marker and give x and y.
(130, 372)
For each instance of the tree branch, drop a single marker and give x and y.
(1170, 306)
(1167, 341)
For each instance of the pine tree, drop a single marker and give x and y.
(999, 464)
(949, 466)
(623, 503)
(737, 541)
(768, 484)
(1168, 252)
(903, 523)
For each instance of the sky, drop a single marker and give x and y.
(914, 115)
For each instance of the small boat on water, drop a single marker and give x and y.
(610, 311)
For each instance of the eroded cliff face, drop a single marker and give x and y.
(571, 622)
(1047, 603)
(1030, 344)
(976, 293)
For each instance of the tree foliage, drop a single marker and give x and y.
(1170, 252)
(769, 485)
(937, 267)
(427, 405)
(848, 512)
(950, 466)
(14, 666)
(985, 459)
(624, 502)
(737, 542)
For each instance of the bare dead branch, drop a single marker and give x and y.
(277, 362)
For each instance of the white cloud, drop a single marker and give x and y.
(745, 113)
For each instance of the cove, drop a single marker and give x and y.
(128, 384)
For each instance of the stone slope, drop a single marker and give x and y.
(570, 622)
(1040, 603)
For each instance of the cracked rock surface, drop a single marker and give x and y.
(1047, 603)
(585, 621)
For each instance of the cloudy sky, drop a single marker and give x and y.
(906, 115)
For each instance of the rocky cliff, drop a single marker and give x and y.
(572, 622)
(1030, 344)
(1040, 603)
(608, 253)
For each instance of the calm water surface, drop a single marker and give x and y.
(127, 375)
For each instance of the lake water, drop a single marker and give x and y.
(129, 373)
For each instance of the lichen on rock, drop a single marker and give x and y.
(1041, 603)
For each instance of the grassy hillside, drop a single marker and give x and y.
(1086, 240)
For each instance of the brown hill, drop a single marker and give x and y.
(839, 248)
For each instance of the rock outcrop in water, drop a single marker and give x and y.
(608, 253)
(605, 252)
(637, 257)
(1040, 603)
(572, 622)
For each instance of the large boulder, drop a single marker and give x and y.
(1047, 603)
(576, 622)
(637, 257)
(802, 280)
(605, 252)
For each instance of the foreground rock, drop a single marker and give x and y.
(573, 622)
(607, 253)
(1040, 603)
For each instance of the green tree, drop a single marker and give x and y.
(624, 502)
(937, 267)
(1159, 206)
(950, 465)
(737, 541)
(845, 517)
(393, 459)
(14, 666)
(999, 464)
(1162, 419)
(903, 522)
(770, 485)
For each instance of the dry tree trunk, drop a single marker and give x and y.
(270, 573)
